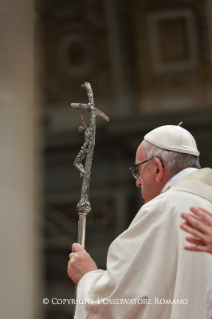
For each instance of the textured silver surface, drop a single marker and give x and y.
(86, 152)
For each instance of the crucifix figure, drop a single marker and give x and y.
(84, 207)
(84, 149)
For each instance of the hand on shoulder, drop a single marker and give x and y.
(200, 226)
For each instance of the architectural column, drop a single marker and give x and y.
(19, 235)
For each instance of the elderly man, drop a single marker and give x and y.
(149, 275)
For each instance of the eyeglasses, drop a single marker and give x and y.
(134, 170)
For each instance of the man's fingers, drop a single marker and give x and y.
(185, 226)
(195, 241)
(205, 211)
(190, 248)
(203, 214)
(199, 248)
(77, 247)
(188, 216)
(196, 223)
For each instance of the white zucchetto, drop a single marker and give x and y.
(173, 138)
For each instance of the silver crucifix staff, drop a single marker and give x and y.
(84, 206)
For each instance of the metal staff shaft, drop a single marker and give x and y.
(84, 207)
(81, 229)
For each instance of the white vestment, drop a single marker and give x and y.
(147, 262)
(208, 301)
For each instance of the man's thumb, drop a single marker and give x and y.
(76, 247)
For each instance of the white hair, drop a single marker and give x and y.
(173, 161)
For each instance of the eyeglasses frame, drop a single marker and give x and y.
(135, 166)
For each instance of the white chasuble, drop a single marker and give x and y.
(149, 275)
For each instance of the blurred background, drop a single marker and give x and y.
(149, 63)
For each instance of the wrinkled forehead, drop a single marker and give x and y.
(140, 153)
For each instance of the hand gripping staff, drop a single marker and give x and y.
(84, 206)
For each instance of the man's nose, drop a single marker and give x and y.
(138, 182)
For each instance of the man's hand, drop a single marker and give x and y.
(80, 263)
(200, 226)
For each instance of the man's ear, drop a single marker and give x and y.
(159, 170)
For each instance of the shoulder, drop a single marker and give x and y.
(159, 208)
(167, 199)
(168, 205)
